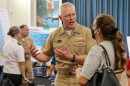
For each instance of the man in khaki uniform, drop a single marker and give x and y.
(70, 36)
(26, 42)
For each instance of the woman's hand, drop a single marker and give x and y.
(77, 70)
(26, 81)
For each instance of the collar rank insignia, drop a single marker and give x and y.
(18, 43)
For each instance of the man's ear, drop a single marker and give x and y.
(60, 17)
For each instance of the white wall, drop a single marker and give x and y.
(20, 11)
(3, 4)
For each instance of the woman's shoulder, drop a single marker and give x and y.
(96, 50)
(96, 47)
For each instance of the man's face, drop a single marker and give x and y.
(25, 31)
(68, 18)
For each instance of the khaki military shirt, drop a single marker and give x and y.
(79, 42)
(25, 43)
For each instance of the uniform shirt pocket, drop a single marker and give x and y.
(80, 47)
(59, 46)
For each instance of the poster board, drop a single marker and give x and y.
(4, 18)
(47, 19)
(48, 13)
(1, 39)
(4, 28)
(39, 36)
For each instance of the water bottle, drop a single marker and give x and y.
(52, 83)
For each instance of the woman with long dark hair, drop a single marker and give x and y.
(106, 34)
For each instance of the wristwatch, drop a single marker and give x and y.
(73, 59)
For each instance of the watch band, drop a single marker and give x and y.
(73, 59)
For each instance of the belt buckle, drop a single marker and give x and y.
(68, 73)
(26, 59)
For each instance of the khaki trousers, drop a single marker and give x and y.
(65, 79)
(28, 69)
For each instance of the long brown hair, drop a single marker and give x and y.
(109, 31)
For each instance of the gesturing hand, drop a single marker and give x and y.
(77, 69)
(64, 55)
(33, 51)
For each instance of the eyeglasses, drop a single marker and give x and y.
(69, 15)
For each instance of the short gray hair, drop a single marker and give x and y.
(14, 30)
(65, 6)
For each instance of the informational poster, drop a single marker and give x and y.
(48, 13)
(1, 40)
(128, 42)
(4, 28)
(47, 20)
(39, 36)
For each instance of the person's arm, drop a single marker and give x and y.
(82, 80)
(22, 69)
(80, 59)
(42, 57)
(52, 67)
(38, 55)
(67, 55)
